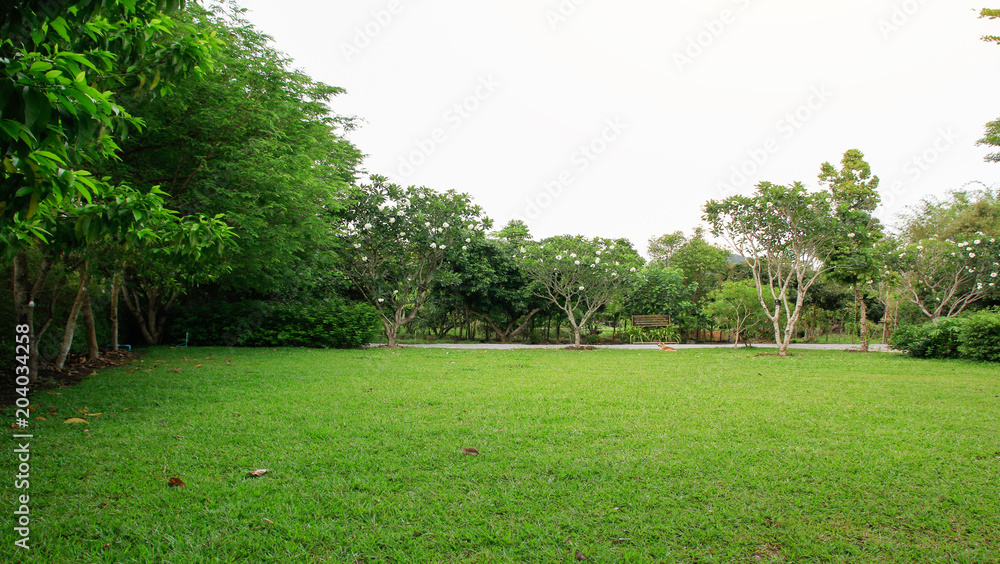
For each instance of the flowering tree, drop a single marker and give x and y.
(578, 274)
(399, 239)
(787, 236)
(943, 276)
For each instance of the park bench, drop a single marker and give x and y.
(651, 321)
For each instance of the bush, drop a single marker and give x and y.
(980, 336)
(930, 340)
(318, 324)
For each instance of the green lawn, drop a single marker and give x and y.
(624, 455)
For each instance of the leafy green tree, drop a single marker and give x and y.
(992, 137)
(662, 248)
(734, 305)
(786, 235)
(580, 275)
(62, 64)
(659, 290)
(493, 286)
(398, 241)
(255, 140)
(854, 260)
(702, 263)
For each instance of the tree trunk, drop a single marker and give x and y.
(67, 340)
(93, 349)
(859, 296)
(115, 288)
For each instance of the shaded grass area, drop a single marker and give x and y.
(708, 455)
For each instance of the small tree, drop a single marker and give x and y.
(580, 275)
(397, 241)
(734, 305)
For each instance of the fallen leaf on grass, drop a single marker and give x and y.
(179, 437)
(258, 472)
(623, 539)
(174, 371)
(40, 418)
(580, 556)
(197, 365)
(176, 483)
(75, 420)
(94, 414)
(268, 521)
(470, 451)
(53, 410)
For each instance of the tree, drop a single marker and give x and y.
(702, 263)
(734, 305)
(579, 274)
(493, 286)
(943, 275)
(854, 259)
(61, 63)
(786, 235)
(992, 137)
(659, 290)
(662, 248)
(398, 241)
(255, 140)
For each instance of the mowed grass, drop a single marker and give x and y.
(625, 456)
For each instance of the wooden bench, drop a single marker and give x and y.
(651, 321)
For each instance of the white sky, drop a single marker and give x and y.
(496, 99)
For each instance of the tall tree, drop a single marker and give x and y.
(786, 235)
(255, 140)
(662, 248)
(992, 137)
(62, 63)
(854, 259)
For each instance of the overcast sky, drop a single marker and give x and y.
(622, 118)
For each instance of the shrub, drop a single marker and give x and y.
(318, 324)
(930, 340)
(980, 336)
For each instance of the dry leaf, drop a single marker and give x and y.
(53, 410)
(94, 414)
(197, 365)
(174, 371)
(623, 539)
(258, 472)
(580, 556)
(84, 410)
(75, 420)
(40, 418)
(176, 483)
(470, 451)
(268, 521)
(179, 436)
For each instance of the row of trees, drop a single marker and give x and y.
(167, 156)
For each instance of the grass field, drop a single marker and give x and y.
(616, 455)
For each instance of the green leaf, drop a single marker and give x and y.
(40, 66)
(36, 108)
(59, 24)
